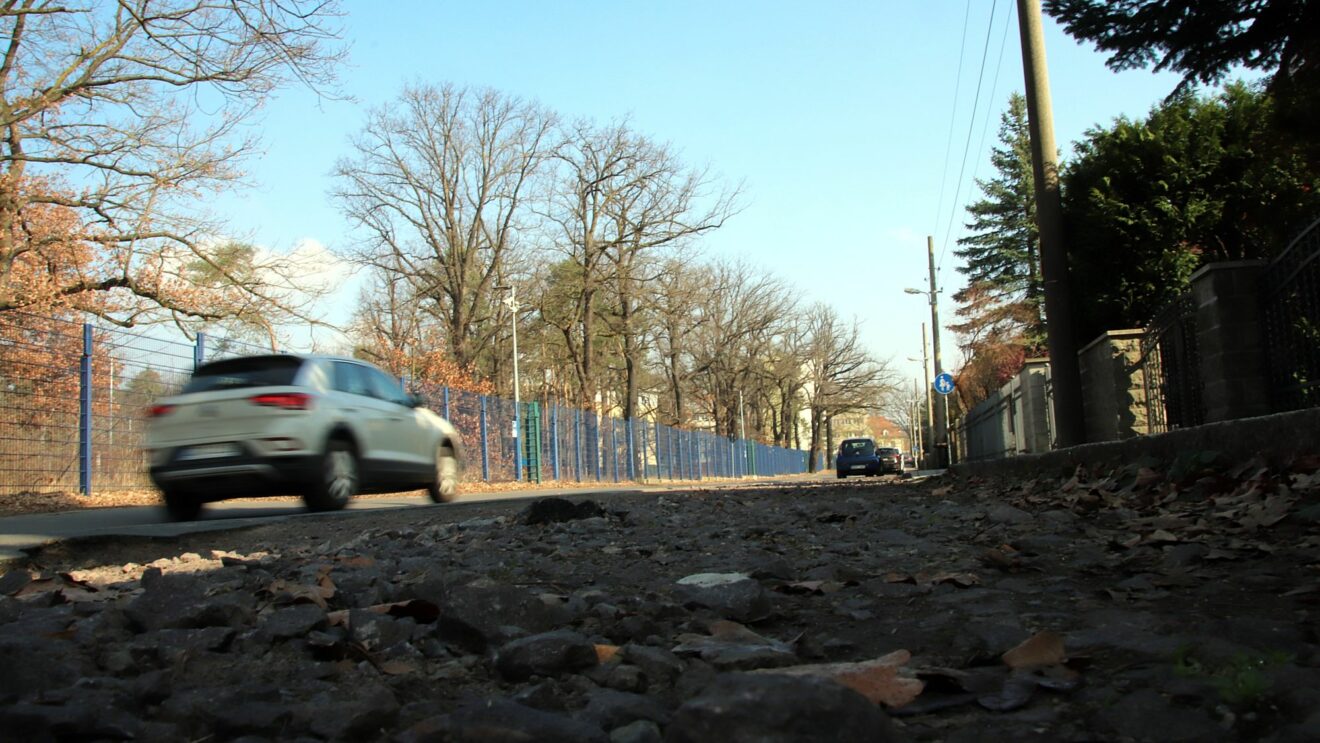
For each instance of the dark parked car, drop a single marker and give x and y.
(857, 457)
(891, 460)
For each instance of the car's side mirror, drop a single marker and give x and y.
(416, 401)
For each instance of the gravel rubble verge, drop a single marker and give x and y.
(1132, 605)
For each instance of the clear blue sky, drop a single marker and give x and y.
(838, 117)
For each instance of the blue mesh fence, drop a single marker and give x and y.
(74, 399)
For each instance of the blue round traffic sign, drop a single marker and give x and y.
(943, 383)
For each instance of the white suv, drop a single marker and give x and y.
(322, 426)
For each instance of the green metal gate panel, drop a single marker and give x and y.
(532, 442)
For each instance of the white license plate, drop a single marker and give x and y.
(859, 466)
(208, 451)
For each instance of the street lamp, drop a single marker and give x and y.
(940, 432)
(930, 403)
(511, 302)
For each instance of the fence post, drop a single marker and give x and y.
(517, 442)
(669, 449)
(595, 444)
(658, 463)
(614, 446)
(577, 445)
(85, 413)
(698, 451)
(444, 391)
(554, 440)
(698, 466)
(485, 451)
(694, 448)
(646, 452)
(688, 460)
(679, 462)
(199, 350)
(632, 451)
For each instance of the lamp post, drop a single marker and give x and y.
(939, 433)
(930, 401)
(511, 302)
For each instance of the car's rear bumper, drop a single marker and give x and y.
(238, 477)
(857, 468)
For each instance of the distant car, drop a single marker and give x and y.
(891, 460)
(909, 462)
(323, 427)
(857, 457)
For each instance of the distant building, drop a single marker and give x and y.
(850, 426)
(888, 433)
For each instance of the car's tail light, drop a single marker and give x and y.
(157, 411)
(284, 400)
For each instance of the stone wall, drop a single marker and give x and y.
(1113, 389)
(1277, 438)
(1230, 340)
(1015, 420)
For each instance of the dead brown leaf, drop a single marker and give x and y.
(1161, 536)
(998, 558)
(399, 667)
(1147, 476)
(301, 594)
(1041, 649)
(606, 653)
(356, 561)
(962, 580)
(802, 587)
(881, 680)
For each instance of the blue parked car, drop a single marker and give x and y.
(857, 457)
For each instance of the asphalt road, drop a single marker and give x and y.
(20, 533)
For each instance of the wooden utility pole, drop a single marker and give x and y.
(926, 448)
(941, 432)
(1065, 374)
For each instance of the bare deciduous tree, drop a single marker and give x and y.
(116, 117)
(676, 296)
(743, 313)
(439, 183)
(842, 376)
(619, 199)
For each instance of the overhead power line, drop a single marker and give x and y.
(994, 88)
(953, 115)
(971, 126)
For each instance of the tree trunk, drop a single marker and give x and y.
(630, 352)
(829, 442)
(816, 415)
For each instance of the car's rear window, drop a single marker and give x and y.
(256, 371)
(857, 447)
(889, 452)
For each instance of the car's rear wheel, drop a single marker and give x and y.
(842, 475)
(181, 505)
(337, 478)
(444, 488)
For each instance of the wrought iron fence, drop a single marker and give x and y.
(1290, 297)
(74, 396)
(1171, 367)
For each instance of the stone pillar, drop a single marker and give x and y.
(1230, 340)
(1113, 390)
(1035, 420)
